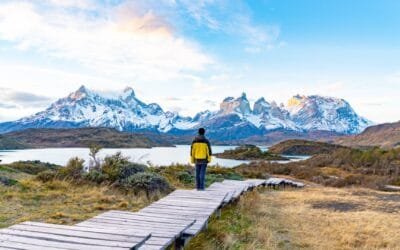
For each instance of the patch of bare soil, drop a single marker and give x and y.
(337, 206)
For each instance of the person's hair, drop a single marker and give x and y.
(202, 131)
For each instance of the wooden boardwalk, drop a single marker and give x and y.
(173, 219)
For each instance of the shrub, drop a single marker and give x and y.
(95, 176)
(112, 166)
(7, 181)
(46, 176)
(32, 167)
(73, 169)
(148, 182)
(185, 177)
(130, 169)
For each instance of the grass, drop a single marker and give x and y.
(313, 218)
(61, 202)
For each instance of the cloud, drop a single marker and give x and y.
(118, 39)
(7, 106)
(210, 103)
(173, 99)
(15, 99)
(235, 20)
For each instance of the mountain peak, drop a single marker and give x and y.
(129, 91)
(80, 93)
(243, 96)
(239, 105)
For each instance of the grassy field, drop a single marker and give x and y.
(61, 202)
(314, 218)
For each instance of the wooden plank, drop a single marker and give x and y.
(140, 217)
(125, 232)
(54, 244)
(24, 246)
(69, 239)
(187, 204)
(146, 220)
(160, 233)
(149, 225)
(156, 216)
(182, 207)
(73, 233)
(168, 211)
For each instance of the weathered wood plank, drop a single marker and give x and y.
(140, 217)
(24, 246)
(73, 233)
(69, 239)
(125, 232)
(55, 244)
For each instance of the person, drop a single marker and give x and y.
(200, 155)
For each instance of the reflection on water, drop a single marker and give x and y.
(159, 156)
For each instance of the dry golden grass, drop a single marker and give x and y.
(61, 202)
(312, 218)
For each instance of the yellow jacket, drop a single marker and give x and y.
(200, 151)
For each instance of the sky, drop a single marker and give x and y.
(189, 55)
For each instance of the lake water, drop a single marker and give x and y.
(159, 156)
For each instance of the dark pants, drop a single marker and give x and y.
(200, 175)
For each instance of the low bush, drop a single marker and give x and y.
(185, 177)
(7, 181)
(73, 170)
(46, 176)
(96, 176)
(148, 182)
(130, 169)
(32, 167)
(112, 166)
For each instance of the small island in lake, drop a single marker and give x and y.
(249, 152)
(303, 147)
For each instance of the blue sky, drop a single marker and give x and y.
(189, 55)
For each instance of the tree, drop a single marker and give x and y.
(94, 162)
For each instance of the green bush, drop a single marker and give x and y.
(46, 176)
(95, 176)
(185, 177)
(7, 181)
(74, 169)
(113, 165)
(148, 182)
(130, 169)
(32, 167)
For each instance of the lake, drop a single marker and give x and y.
(159, 156)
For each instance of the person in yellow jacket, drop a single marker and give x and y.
(200, 155)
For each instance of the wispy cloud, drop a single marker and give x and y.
(118, 40)
(13, 99)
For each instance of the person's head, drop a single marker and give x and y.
(202, 131)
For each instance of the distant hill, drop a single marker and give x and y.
(277, 136)
(80, 137)
(384, 135)
(7, 143)
(251, 153)
(303, 147)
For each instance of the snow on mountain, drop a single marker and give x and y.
(125, 112)
(325, 113)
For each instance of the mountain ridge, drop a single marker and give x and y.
(235, 119)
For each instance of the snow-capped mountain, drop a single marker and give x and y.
(325, 113)
(85, 108)
(234, 120)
